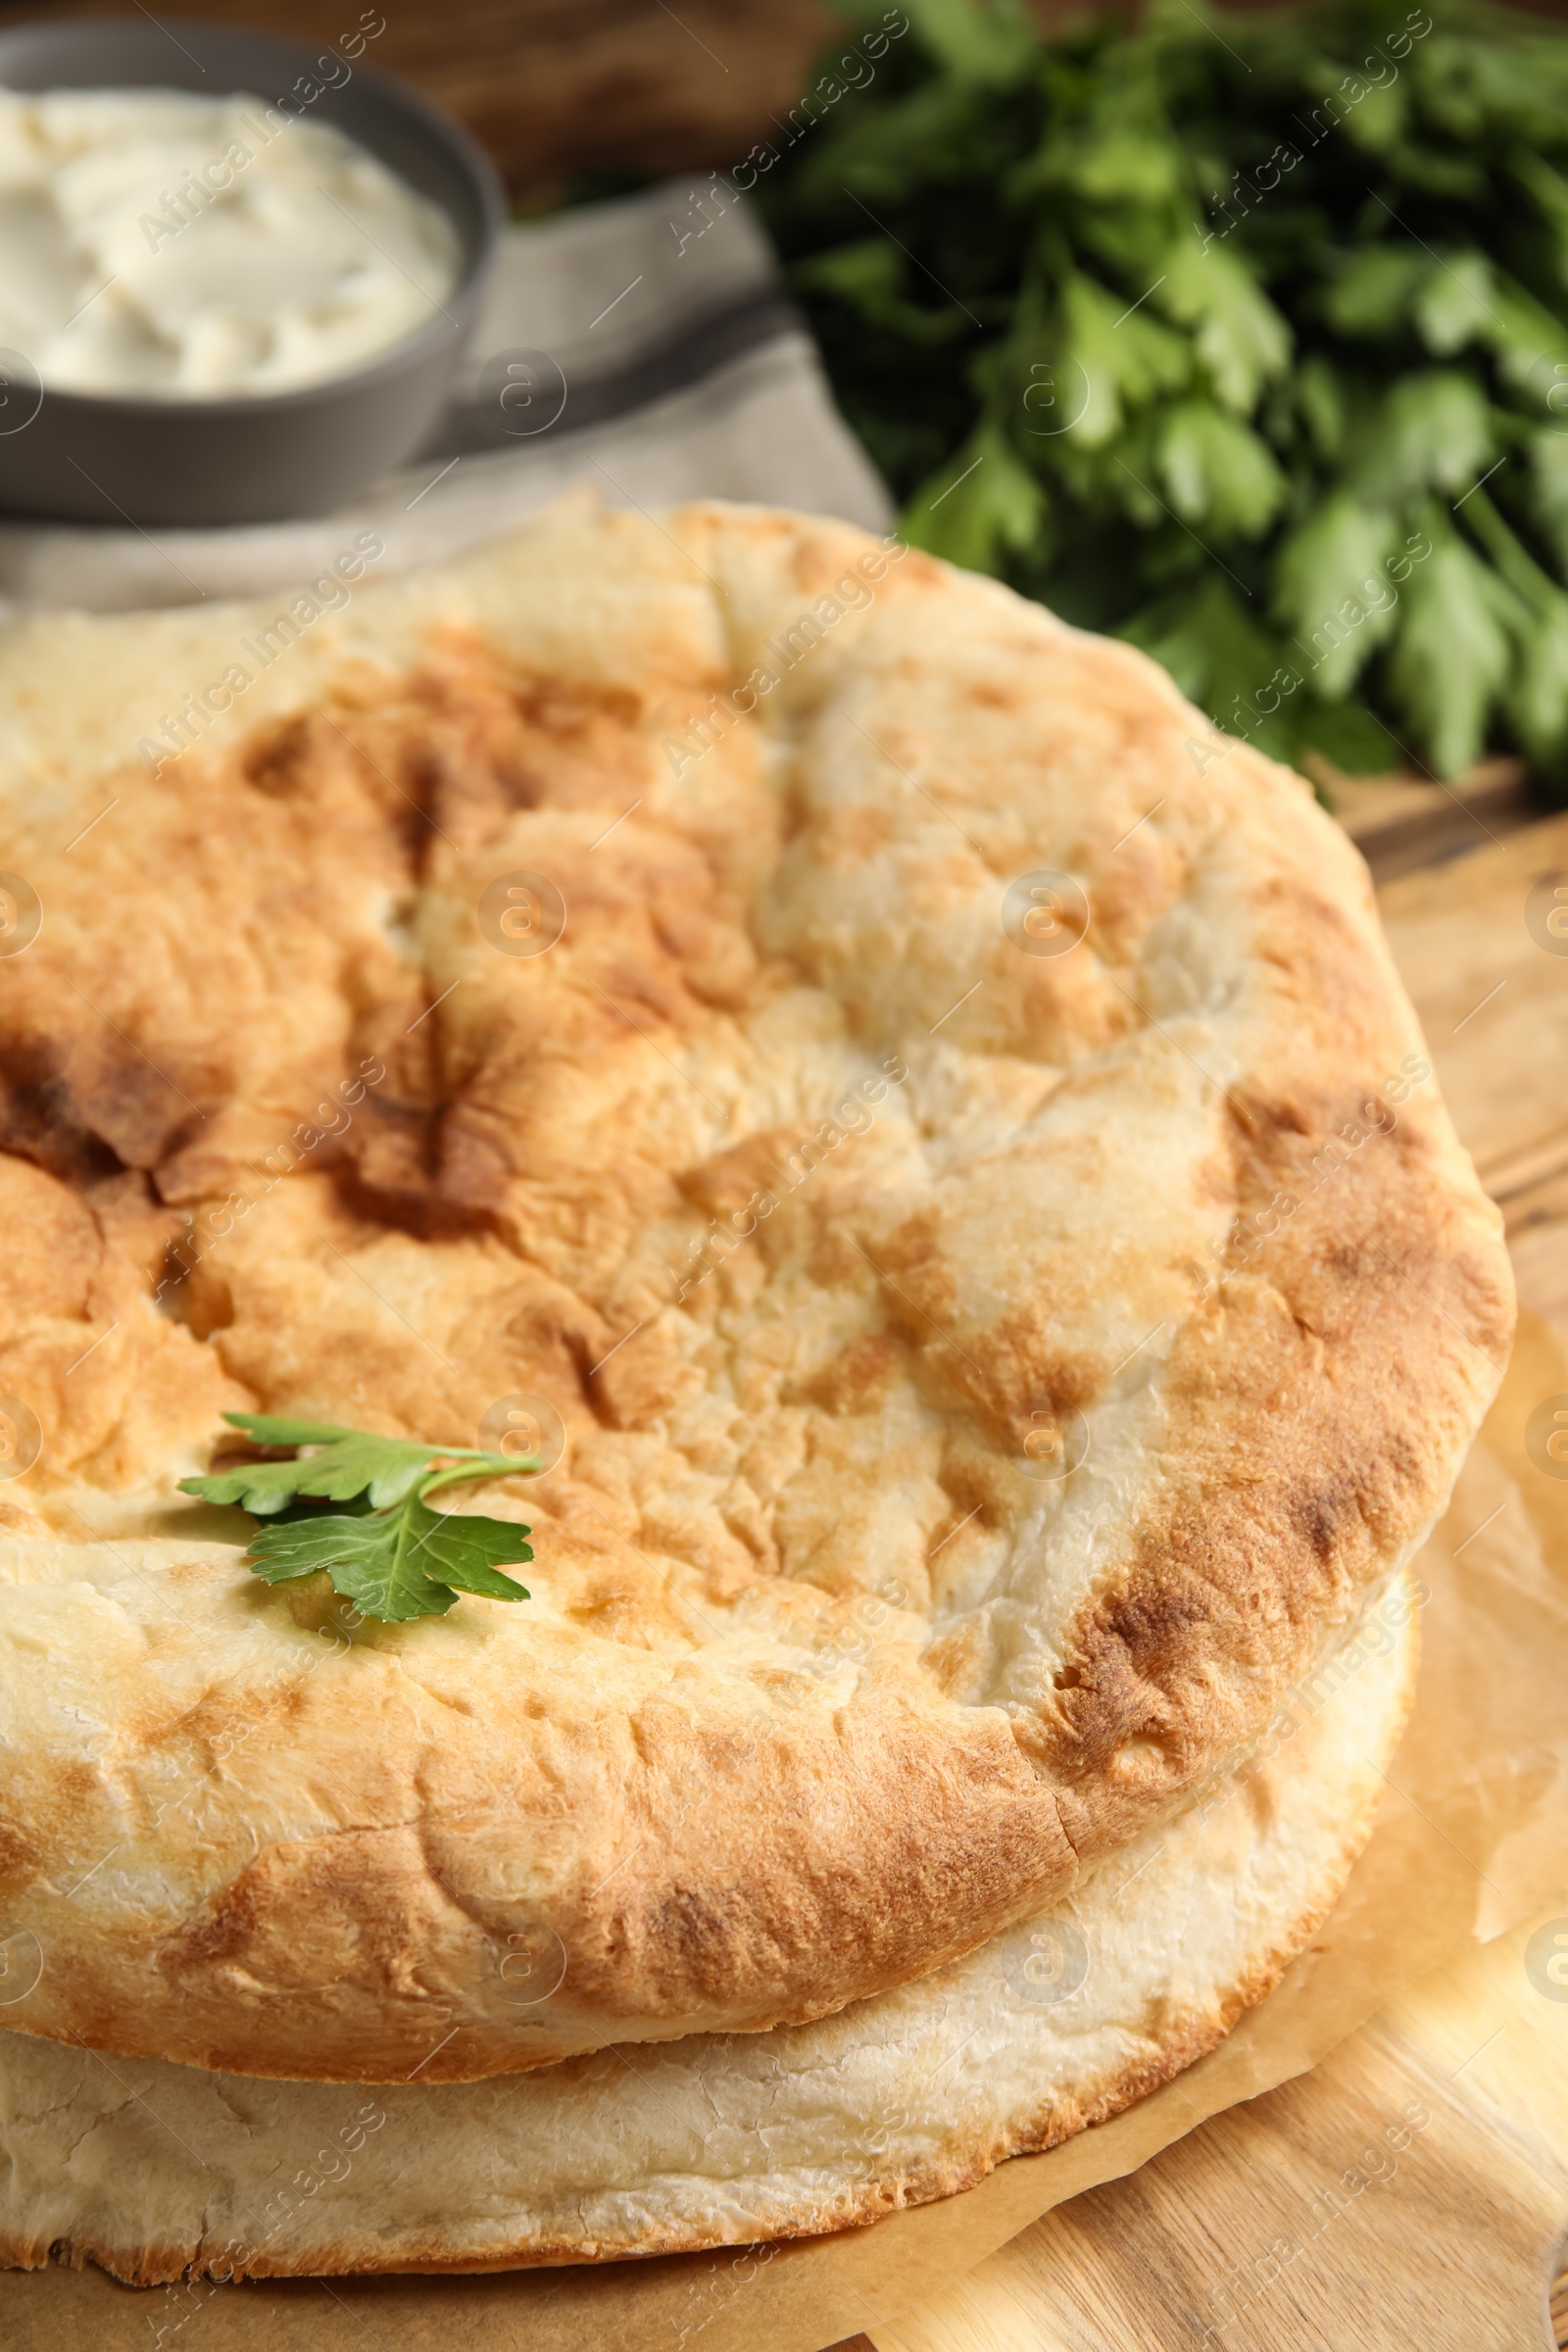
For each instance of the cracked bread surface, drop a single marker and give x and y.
(816, 1203)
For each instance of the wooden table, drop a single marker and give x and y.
(1456, 2254)
(561, 89)
(558, 90)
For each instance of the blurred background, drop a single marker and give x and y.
(560, 89)
(1242, 333)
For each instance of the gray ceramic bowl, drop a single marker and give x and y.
(92, 458)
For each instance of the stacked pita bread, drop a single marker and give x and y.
(931, 1142)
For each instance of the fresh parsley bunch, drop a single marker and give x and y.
(1244, 337)
(386, 1549)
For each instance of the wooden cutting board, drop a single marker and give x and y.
(1288, 2224)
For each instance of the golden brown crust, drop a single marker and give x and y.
(157, 2171)
(821, 1685)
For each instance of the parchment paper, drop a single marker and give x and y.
(1472, 1836)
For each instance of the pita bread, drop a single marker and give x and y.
(831, 1185)
(158, 2171)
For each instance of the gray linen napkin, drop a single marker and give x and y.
(641, 346)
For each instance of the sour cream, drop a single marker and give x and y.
(165, 245)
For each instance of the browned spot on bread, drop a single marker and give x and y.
(857, 1380)
(640, 1378)
(277, 1928)
(19, 1854)
(764, 1166)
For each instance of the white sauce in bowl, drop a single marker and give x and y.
(164, 245)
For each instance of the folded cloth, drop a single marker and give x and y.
(643, 346)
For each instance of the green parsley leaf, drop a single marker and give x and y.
(397, 1565)
(367, 1560)
(986, 501)
(1433, 430)
(873, 274)
(1218, 470)
(1374, 291)
(1458, 303)
(1548, 485)
(1348, 734)
(466, 1551)
(984, 47)
(1452, 654)
(273, 1429)
(1524, 336)
(1121, 359)
(1336, 559)
(1539, 703)
(1193, 287)
(350, 1462)
(388, 1551)
(1320, 398)
(1242, 339)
